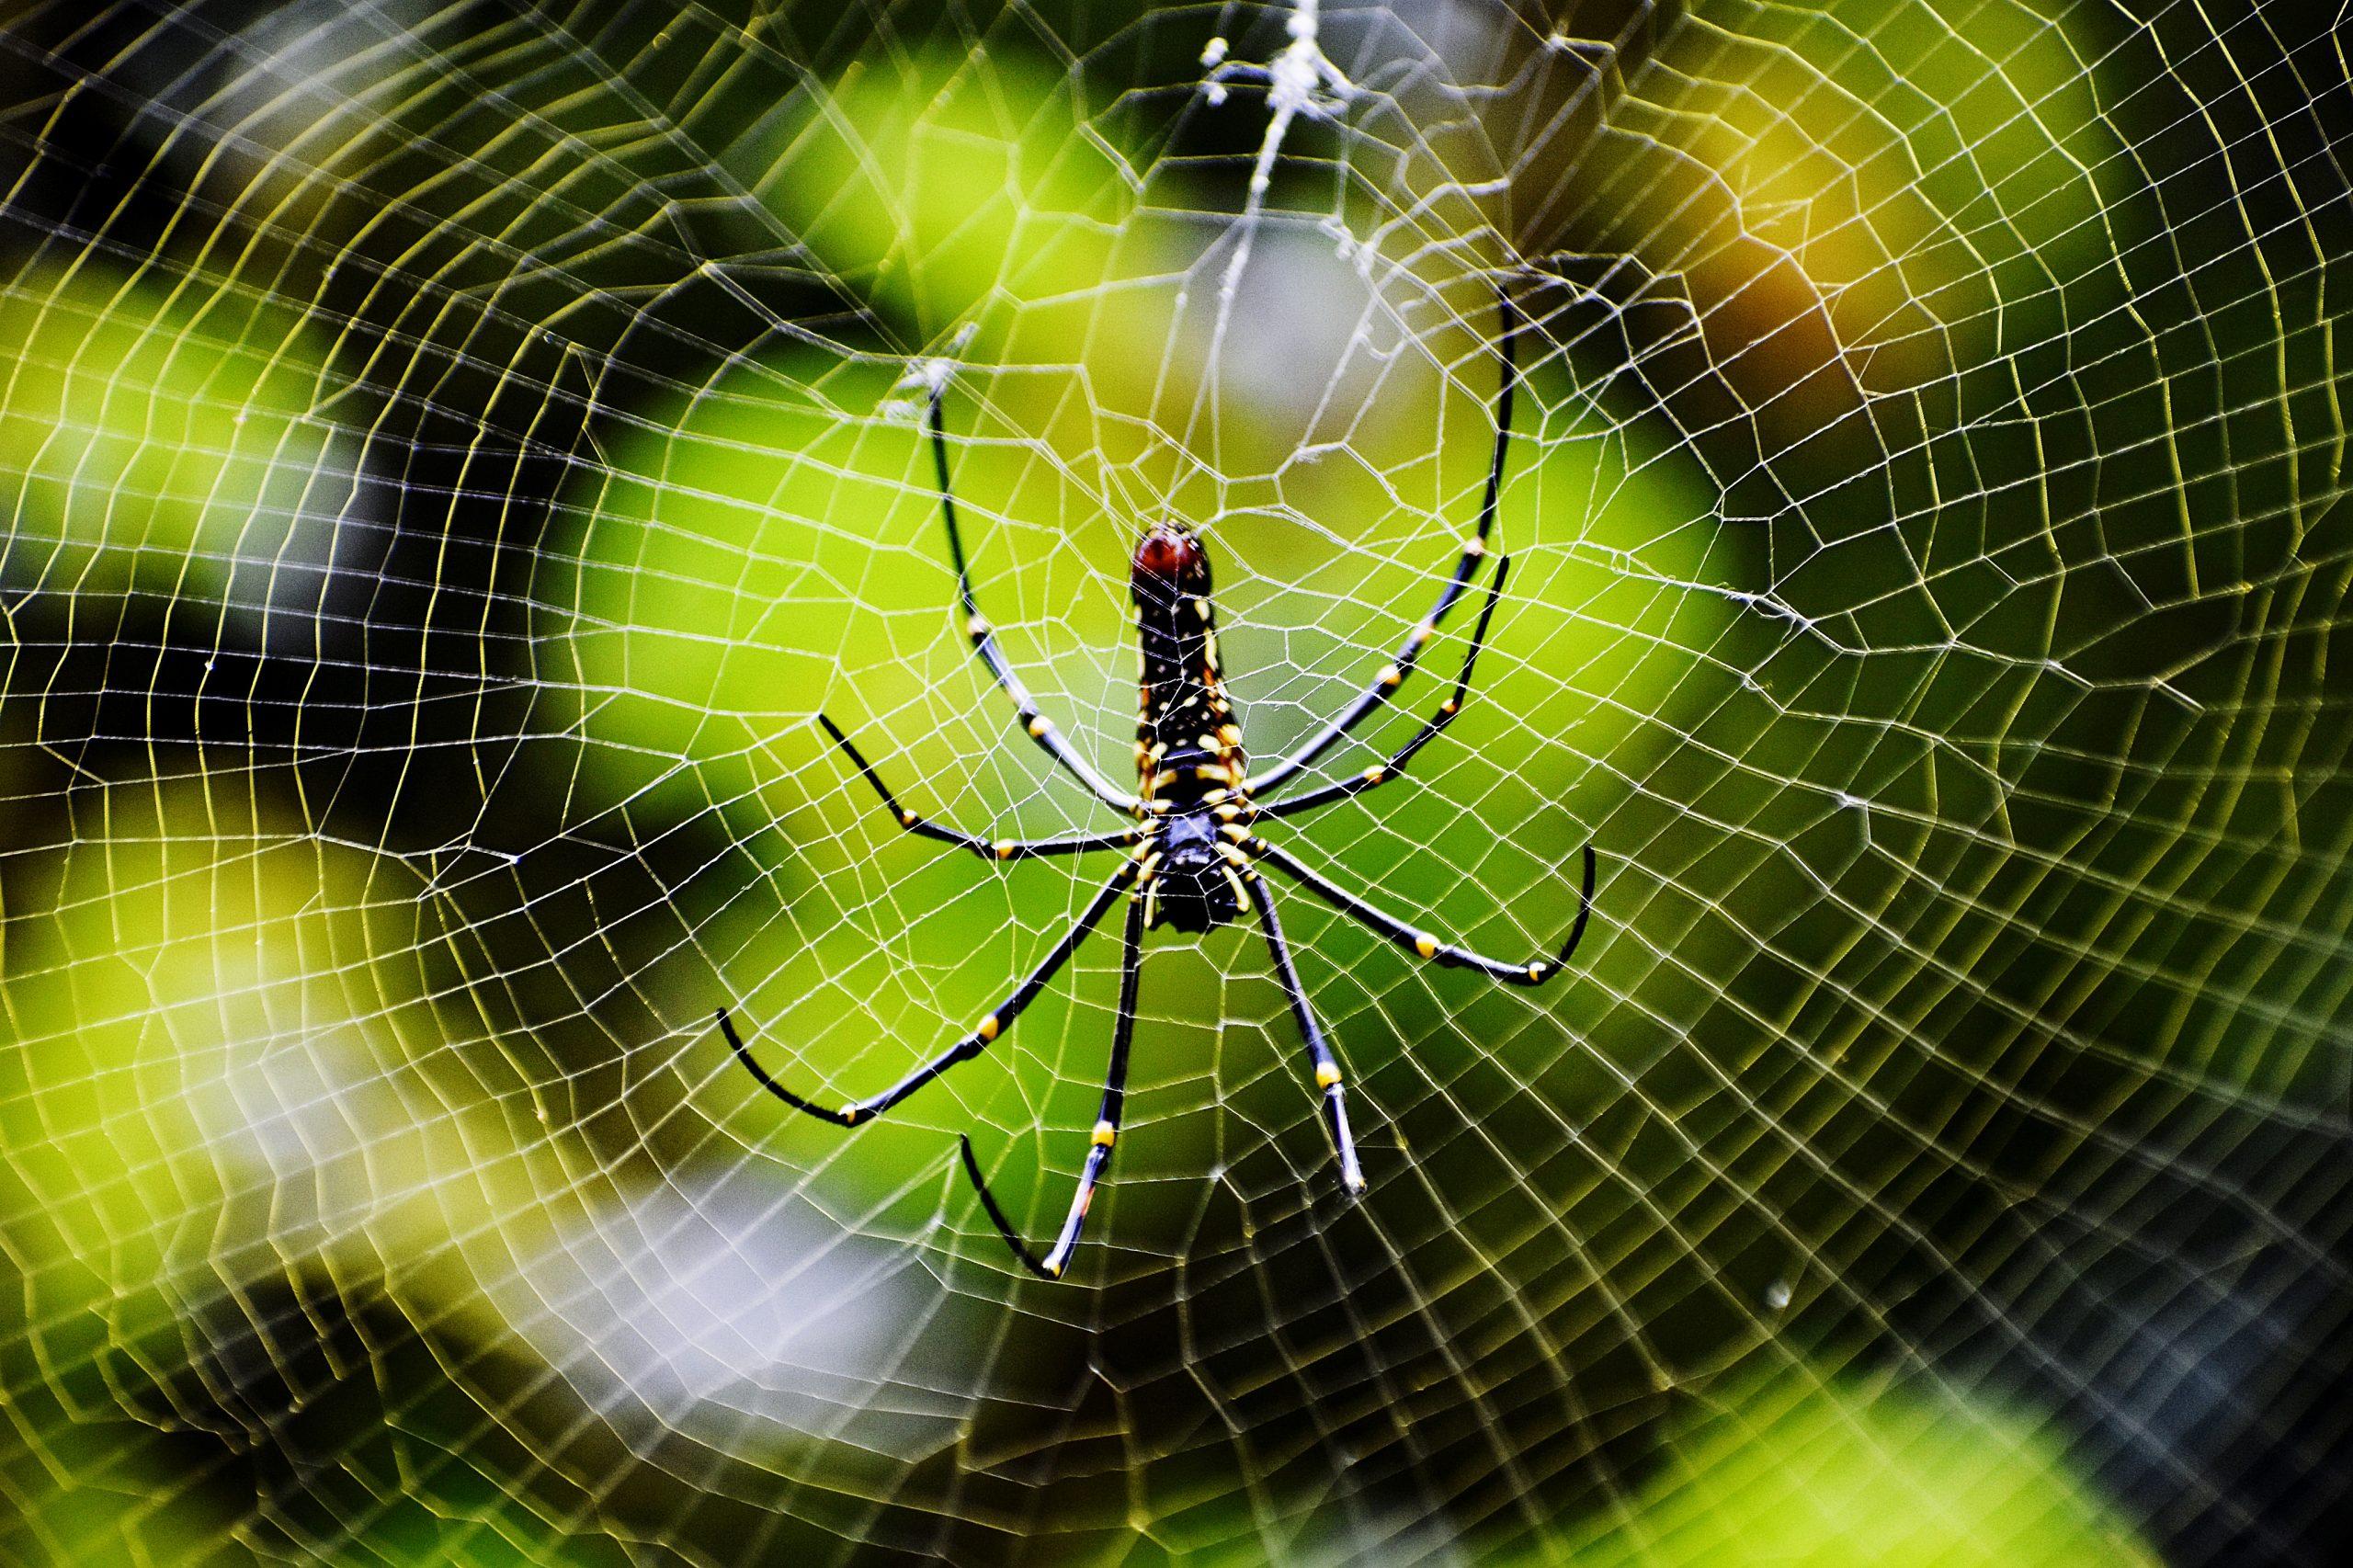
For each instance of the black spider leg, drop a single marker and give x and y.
(988, 1028)
(1340, 790)
(1107, 1125)
(1446, 954)
(1327, 1066)
(976, 626)
(1392, 676)
(986, 848)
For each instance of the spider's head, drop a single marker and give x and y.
(1170, 564)
(1196, 886)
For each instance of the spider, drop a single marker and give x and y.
(1193, 857)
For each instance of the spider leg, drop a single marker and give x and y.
(986, 848)
(976, 626)
(1340, 790)
(1446, 954)
(1393, 675)
(988, 1028)
(1107, 1126)
(1327, 1066)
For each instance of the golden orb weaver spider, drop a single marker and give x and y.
(1194, 854)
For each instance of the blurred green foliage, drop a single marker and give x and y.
(1816, 1472)
(936, 182)
(155, 438)
(224, 1086)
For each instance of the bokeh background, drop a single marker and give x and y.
(450, 453)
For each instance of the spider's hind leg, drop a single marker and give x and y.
(1475, 548)
(986, 848)
(1036, 725)
(1372, 778)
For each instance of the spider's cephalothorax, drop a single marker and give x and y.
(1193, 853)
(1193, 779)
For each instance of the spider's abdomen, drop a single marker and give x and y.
(1188, 749)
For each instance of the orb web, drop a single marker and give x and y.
(452, 455)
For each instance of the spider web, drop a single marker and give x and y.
(452, 453)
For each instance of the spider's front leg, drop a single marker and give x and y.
(990, 1025)
(1107, 1125)
(1448, 955)
(1319, 1050)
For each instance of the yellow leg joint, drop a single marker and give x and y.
(988, 1027)
(1426, 946)
(1326, 1075)
(1104, 1134)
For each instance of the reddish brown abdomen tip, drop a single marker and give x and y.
(1167, 553)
